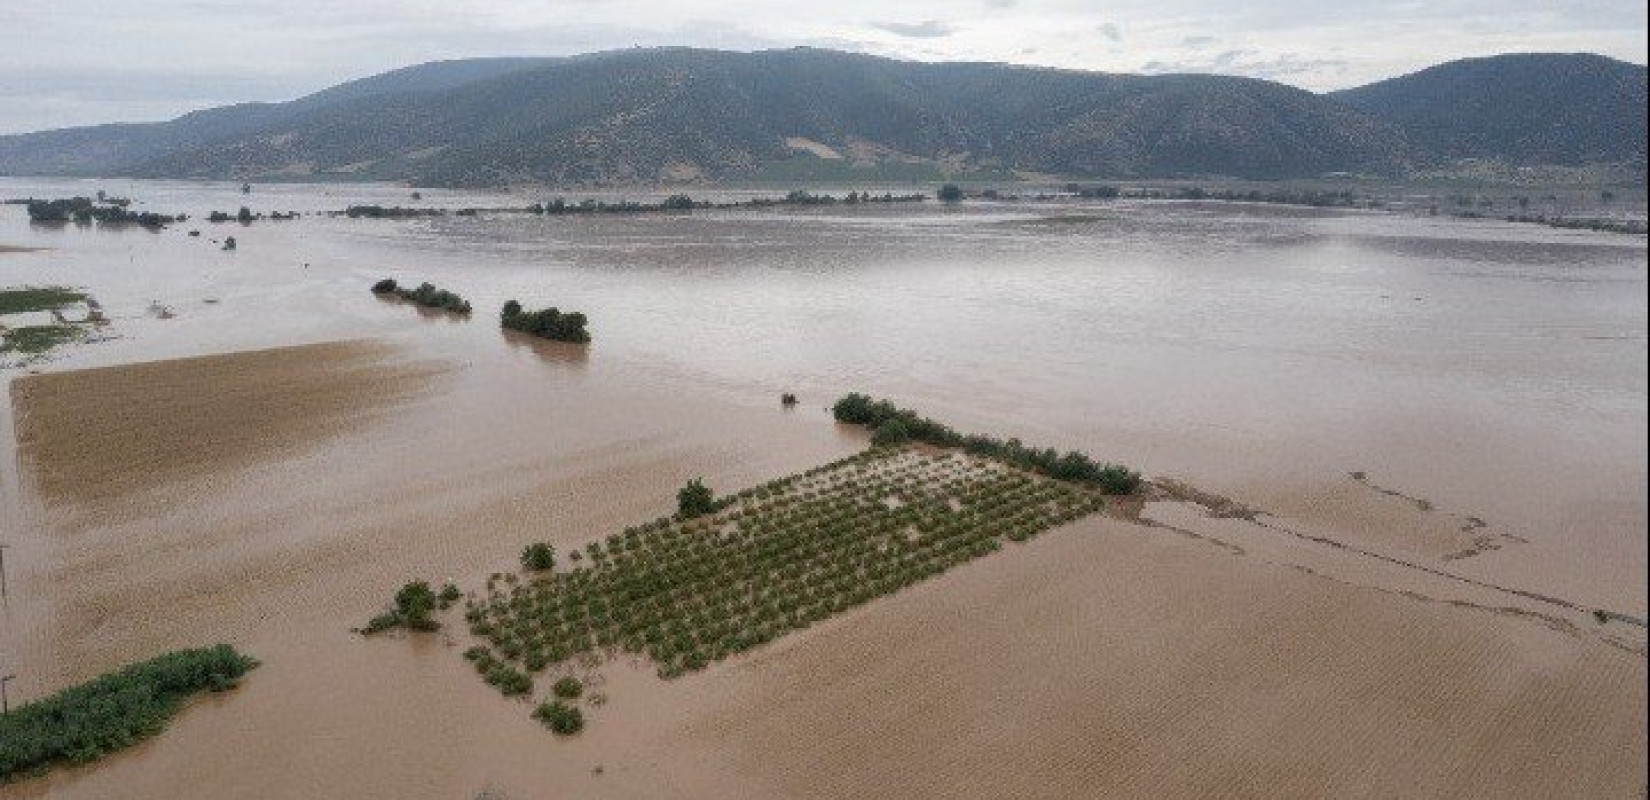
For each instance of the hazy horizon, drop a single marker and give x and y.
(164, 59)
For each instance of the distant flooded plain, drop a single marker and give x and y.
(1463, 396)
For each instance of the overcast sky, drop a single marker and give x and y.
(94, 61)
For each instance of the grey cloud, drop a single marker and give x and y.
(927, 29)
(1249, 64)
(1111, 31)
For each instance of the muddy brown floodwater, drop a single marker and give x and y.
(1404, 462)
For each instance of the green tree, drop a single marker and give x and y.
(695, 499)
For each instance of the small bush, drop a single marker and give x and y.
(787, 399)
(385, 286)
(889, 434)
(695, 499)
(560, 717)
(568, 688)
(539, 557)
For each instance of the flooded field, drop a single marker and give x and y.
(1410, 454)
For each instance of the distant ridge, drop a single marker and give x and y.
(683, 115)
(1529, 109)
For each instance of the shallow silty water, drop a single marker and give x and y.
(1495, 370)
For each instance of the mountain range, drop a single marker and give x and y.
(682, 115)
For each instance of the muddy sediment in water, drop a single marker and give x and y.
(1274, 625)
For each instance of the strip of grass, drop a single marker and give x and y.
(36, 339)
(37, 298)
(113, 711)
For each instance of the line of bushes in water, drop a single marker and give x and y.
(113, 711)
(425, 295)
(549, 323)
(676, 202)
(246, 217)
(85, 210)
(892, 425)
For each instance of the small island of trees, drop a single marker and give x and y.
(426, 295)
(549, 323)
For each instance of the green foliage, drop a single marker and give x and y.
(112, 712)
(560, 717)
(539, 556)
(890, 433)
(430, 297)
(549, 323)
(84, 210)
(414, 604)
(385, 286)
(887, 420)
(690, 590)
(568, 688)
(36, 339)
(695, 499)
(37, 298)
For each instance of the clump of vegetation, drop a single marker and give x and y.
(787, 400)
(114, 711)
(892, 424)
(395, 212)
(891, 433)
(104, 210)
(549, 323)
(415, 602)
(37, 298)
(695, 499)
(426, 295)
(950, 193)
(568, 688)
(539, 557)
(33, 340)
(560, 717)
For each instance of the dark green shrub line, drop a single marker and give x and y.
(675, 203)
(892, 425)
(37, 298)
(425, 295)
(246, 217)
(84, 210)
(549, 323)
(114, 711)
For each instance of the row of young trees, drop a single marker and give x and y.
(891, 425)
(724, 575)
